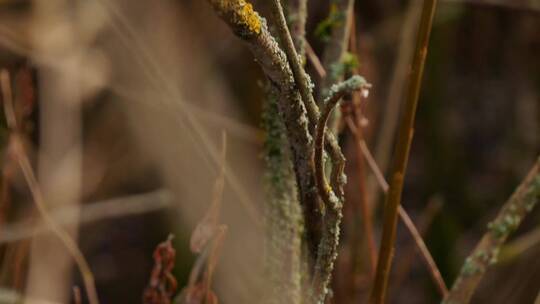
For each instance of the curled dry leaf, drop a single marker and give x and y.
(208, 226)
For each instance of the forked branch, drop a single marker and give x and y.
(485, 254)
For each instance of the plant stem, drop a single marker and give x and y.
(401, 155)
(335, 51)
(297, 13)
(364, 204)
(300, 76)
(485, 254)
(409, 224)
(424, 222)
(333, 199)
(337, 44)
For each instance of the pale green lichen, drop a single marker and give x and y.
(512, 216)
(354, 83)
(470, 267)
(533, 194)
(494, 256)
(284, 220)
(504, 226)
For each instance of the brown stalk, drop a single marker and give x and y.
(425, 219)
(409, 224)
(366, 210)
(401, 155)
(365, 206)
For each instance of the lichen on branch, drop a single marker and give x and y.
(332, 198)
(485, 254)
(240, 15)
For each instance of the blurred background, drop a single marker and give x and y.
(121, 106)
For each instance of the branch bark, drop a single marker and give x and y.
(336, 49)
(297, 16)
(485, 254)
(333, 200)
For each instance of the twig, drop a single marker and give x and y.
(390, 118)
(297, 15)
(366, 212)
(206, 240)
(207, 227)
(24, 164)
(365, 204)
(409, 224)
(300, 76)
(337, 45)
(7, 100)
(71, 246)
(401, 155)
(298, 118)
(424, 252)
(336, 93)
(89, 213)
(303, 83)
(425, 219)
(315, 61)
(485, 254)
(342, 12)
(251, 28)
(332, 198)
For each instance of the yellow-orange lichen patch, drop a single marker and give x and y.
(250, 18)
(240, 14)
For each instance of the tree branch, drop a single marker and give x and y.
(300, 76)
(485, 254)
(337, 45)
(250, 27)
(341, 12)
(333, 199)
(297, 16)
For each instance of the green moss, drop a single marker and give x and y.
(323, 31)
